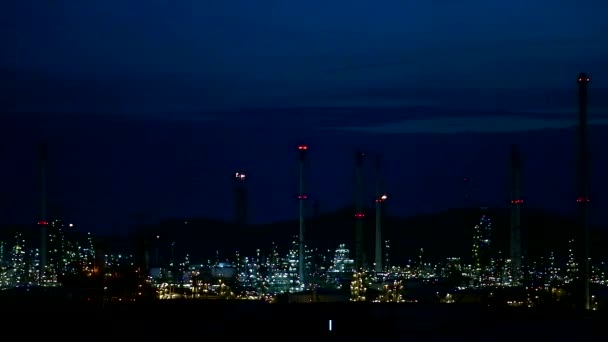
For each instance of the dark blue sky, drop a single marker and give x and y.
(167, 98)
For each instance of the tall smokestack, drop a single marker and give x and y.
(515, 205)
(380, 198)
(359, 214)
(583, 192)
(240, 197)
(302, 149)
(43, 219)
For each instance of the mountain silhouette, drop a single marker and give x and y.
(445, 234)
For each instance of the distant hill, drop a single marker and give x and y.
(443, 234)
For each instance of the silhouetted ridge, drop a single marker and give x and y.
(444, 234)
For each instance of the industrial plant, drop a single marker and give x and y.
(61, 255)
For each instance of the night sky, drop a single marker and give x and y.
(150, 107)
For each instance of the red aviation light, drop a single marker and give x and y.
(302, 197)
(583, 199)
(43, 223)
(517, 201)
(303, 147)
(359, 215)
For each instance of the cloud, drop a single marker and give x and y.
(487, 124)
(595, 112)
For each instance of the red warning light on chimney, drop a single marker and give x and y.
(303, 147)
(302, 197)
(583, 199)
(359, 215)
(43, 223)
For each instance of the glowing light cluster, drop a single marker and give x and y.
(358, 287)
(382, 198)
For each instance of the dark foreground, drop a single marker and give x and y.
(200, 319)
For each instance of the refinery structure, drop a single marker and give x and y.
(301, 272)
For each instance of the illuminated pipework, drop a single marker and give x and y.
(358, 287)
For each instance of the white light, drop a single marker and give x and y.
(330, 325)
(71, 225)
